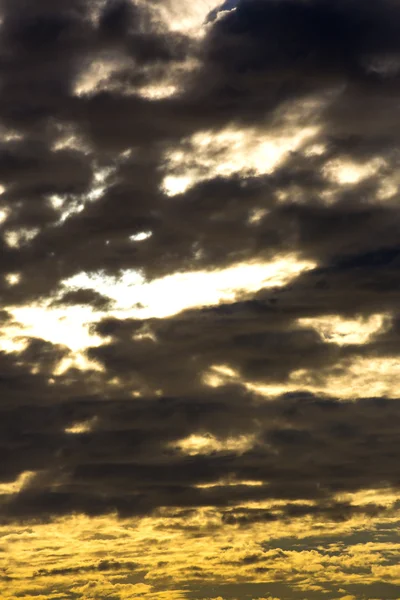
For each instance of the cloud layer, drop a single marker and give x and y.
(141, 141)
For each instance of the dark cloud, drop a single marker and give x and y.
(259, 67)
(301, 448)
(103, 565)
(84, 297)
(336, 512)
(264, 53)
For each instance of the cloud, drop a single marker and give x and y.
(84, 297)
(299, 448)
(214, 189)
(103, 565)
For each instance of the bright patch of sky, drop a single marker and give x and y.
(238, 151)
(171, 294)
(136, 298)
(188, 17)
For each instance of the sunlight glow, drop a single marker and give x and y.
(13, 278)
(346, 331)
(206, 444)
(199, 339)
(358, 378)
(230, 483)
(15, 486)
(315, 150)
(174, 293)
(11, 339)
(135, 298)
(158, 92)
(67, 326)
(80, 541)
(225, 370)
(139, 237)
(96, 76)
(176, 184)
(257, 215)
(186, 17)
(70, 139)
(16, 238)
(366, 377)
(4, 212)
(68, 206)
(76, 360)
(389, 188)
(248, 152)
(82, 427)
(219, 375)
(102, 75)
(344, 173)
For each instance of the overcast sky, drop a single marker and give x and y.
(200, 291)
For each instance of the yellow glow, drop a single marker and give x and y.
(139, 237)
(213, 380)
(210, 545)
(166, 550)
(248, 152)
(389, 188)
(187, 17)
(158, 92)
(345, 331)
(96, 76)
(4, 212)
(219, 375)
(8, 135)
(257, 216)
(68, 326)
(206, 444)
(56, 201)
(76, 360)
(359, 378)
(67, 208)
(315, 150)
(83, 427)
(69, 139)
(176, 184)
(383, 497)
(351, 173)
(367, 377)
(13, 278)
(11, 340)
(174, 293)
(15, 486)
(225, 370)
(17, 238)
(229, 483)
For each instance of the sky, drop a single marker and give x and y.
(199, 300)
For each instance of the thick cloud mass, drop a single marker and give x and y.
(278, 124)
